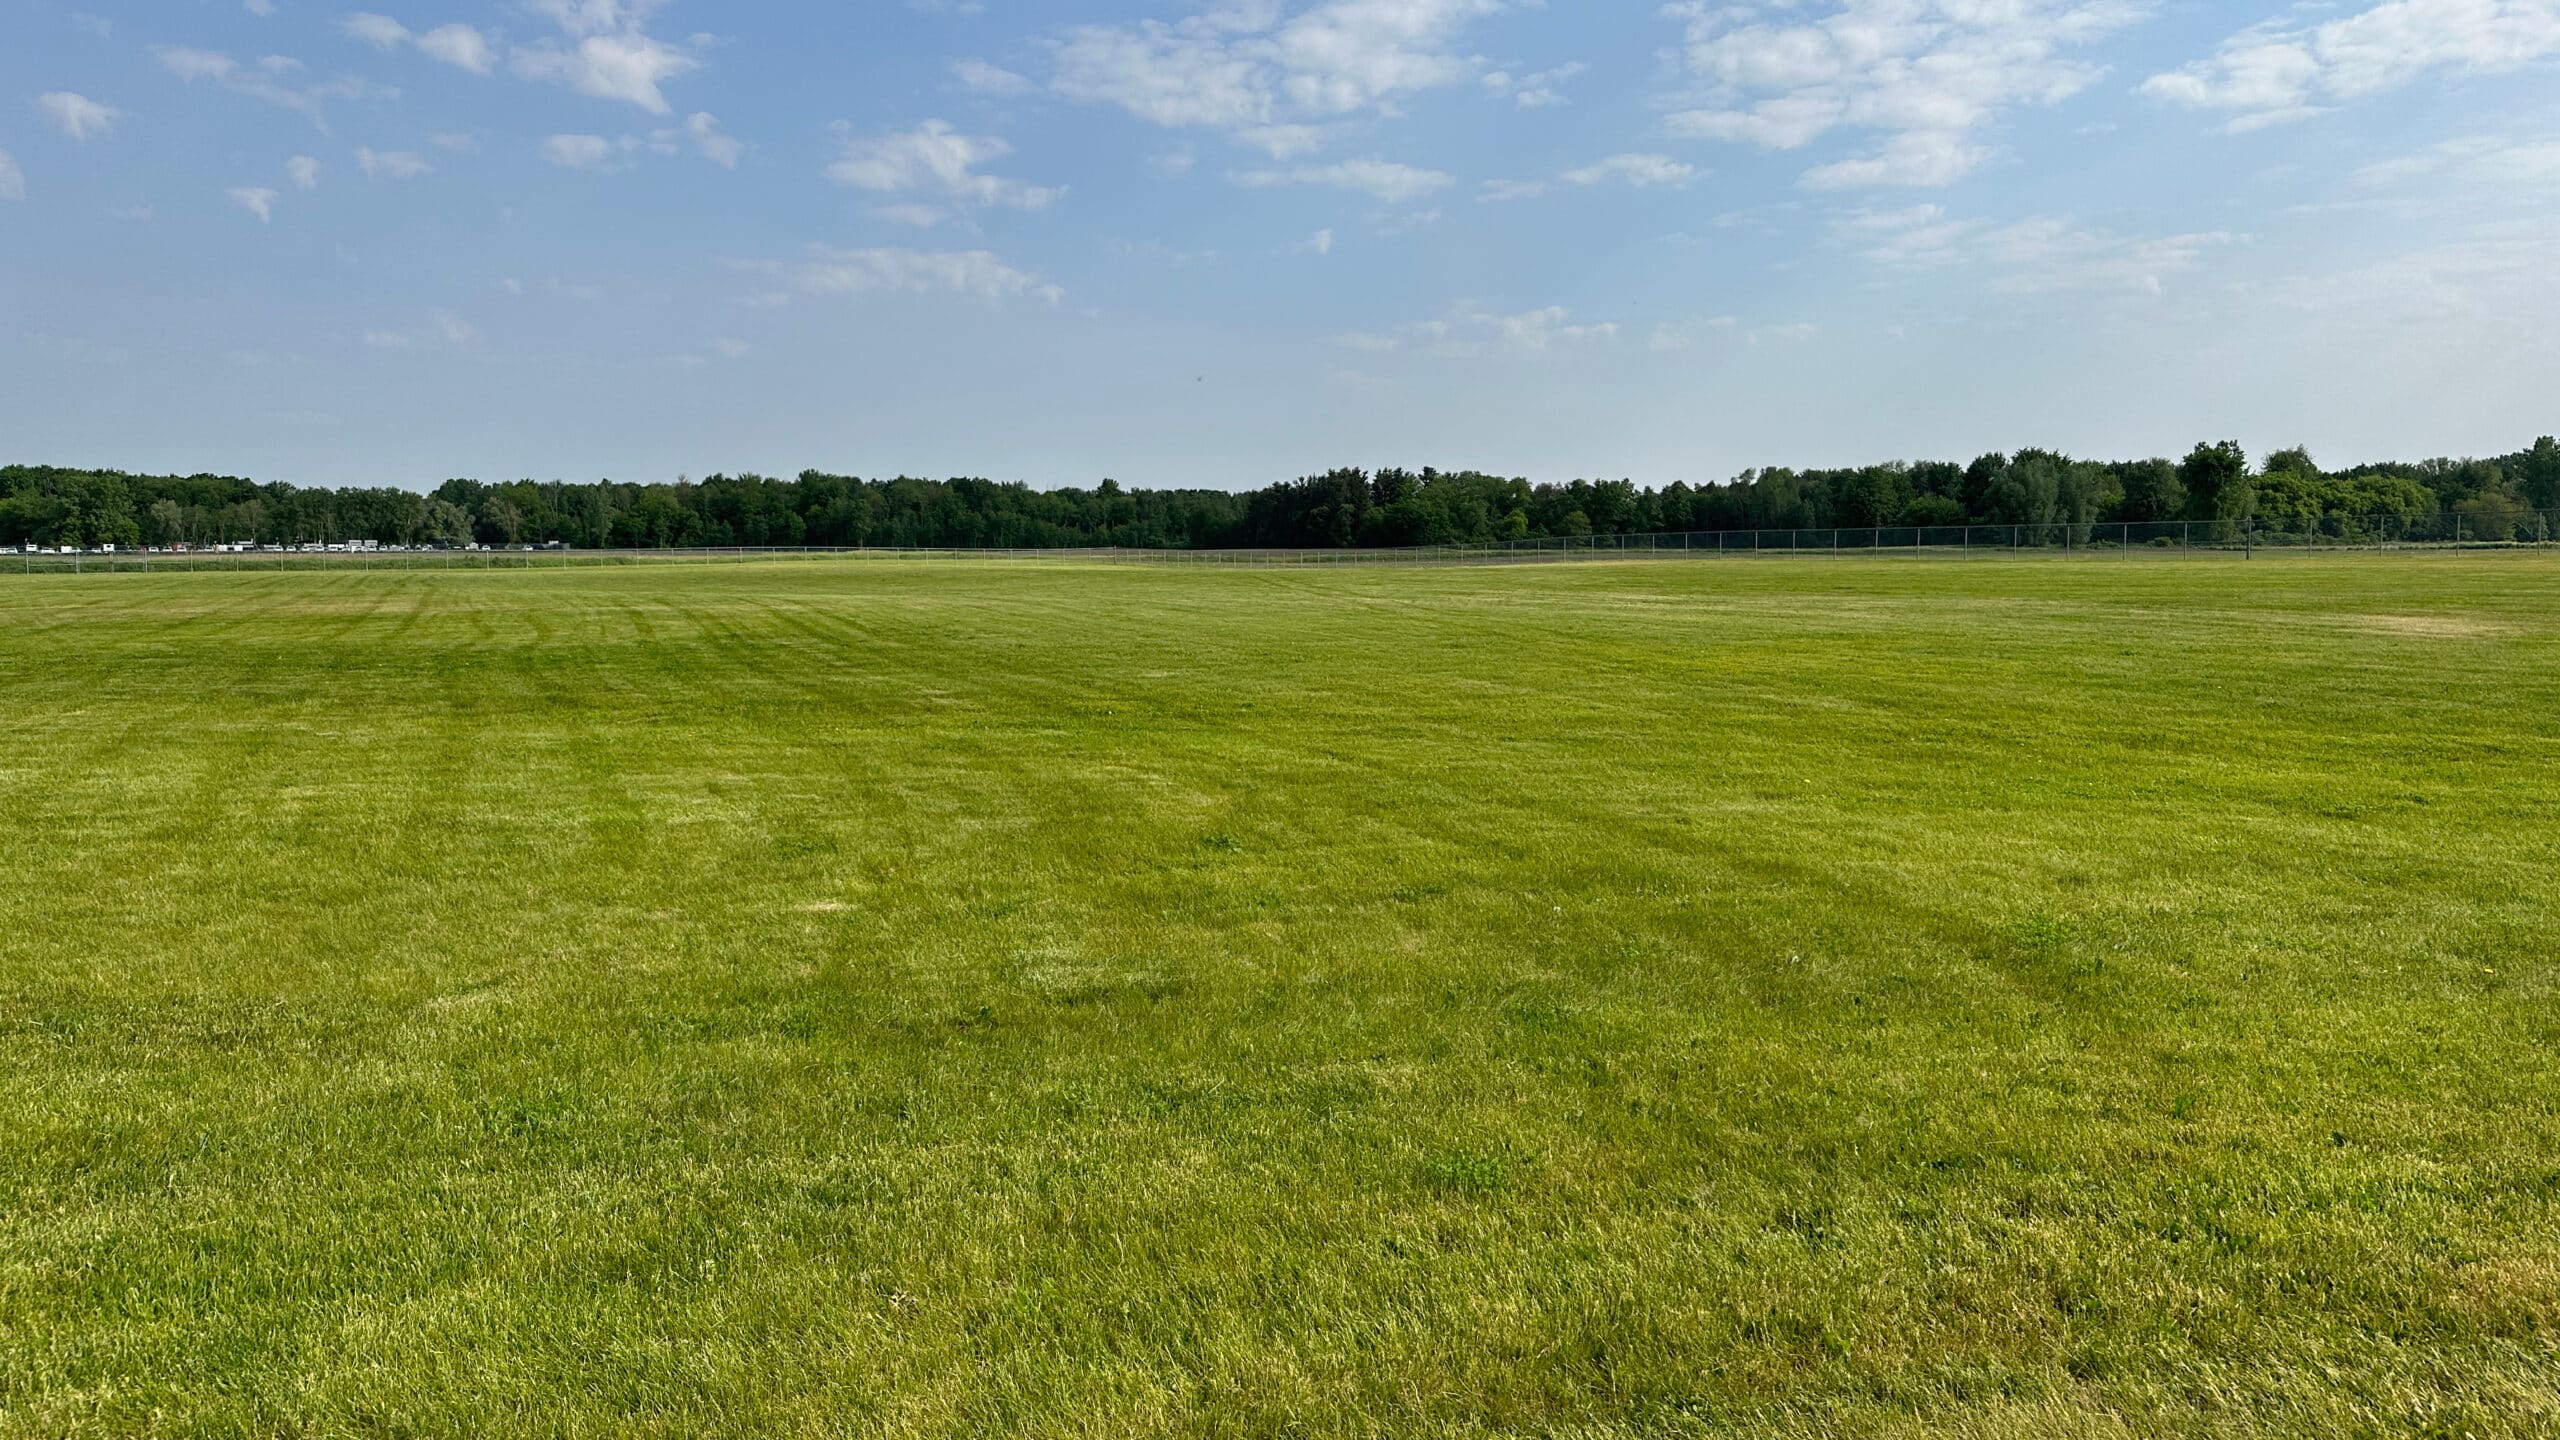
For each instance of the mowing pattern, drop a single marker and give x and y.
(2037, 999)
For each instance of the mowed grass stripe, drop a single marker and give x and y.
(1758, 998)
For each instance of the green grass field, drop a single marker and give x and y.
(2037, 998)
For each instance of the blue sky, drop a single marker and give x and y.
(1226, 243)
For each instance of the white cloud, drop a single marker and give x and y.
(729, 349)
(937, 160)
(577, 152)
(13, 181)
(1284, 142)
(701, 132)
(1471, 329)
(263, 9)
(303, 171)
(1532, 92)
(1384, 179)
(195, 64)
(2497, 287)
(973, 273)
(456, 45)
(380, 31)
(1641, 171)
(609, 55)
(77, 116)
(392, 164)
(1498, 192)
(2283, 71)
(459, 46)
(443, 327)
(257, 201)
(2489, 165)
(265, 81)
(1926, 74)
(1923, 159)
(989, 79)
(2039, 256)
(1321, 242)
(1250, 65)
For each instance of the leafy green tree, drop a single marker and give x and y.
(2029, 490)
(2152, 491)
(2541, 477)
(2083, 491)
(1981, 478)
(2294, 461)
(2216, 478)
(499, 521)
(442, 522)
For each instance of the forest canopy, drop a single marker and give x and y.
(1340, 508)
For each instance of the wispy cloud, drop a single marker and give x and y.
(1263, 69)
(392, 164)
(442, 328)
(257, 200)
(2288, 70)
(1926, 75)
(460, 46)
(699, 134)
(606, 52)
(1641, 171)
(269, 80)
(2040, 256)
(937, 161)
(77, 117)
(976, 274)
(1470, 329)
(1385, 179)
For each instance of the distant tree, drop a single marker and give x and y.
(499, 521)
(442, 522)
(2029, 490)
(1981, 478)
(2294, 461)
(2541, 478)
(1876, 495)
(2495, 516)
(2216, 478)
(168, 522)
(2152, 491)
(2083, 491)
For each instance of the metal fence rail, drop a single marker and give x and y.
(2503, 530)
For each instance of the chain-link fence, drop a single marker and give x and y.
(2488, 528)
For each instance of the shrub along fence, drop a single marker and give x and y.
(2503, 529)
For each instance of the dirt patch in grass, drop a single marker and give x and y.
(2431, 627)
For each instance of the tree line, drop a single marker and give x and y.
(2215, 482)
